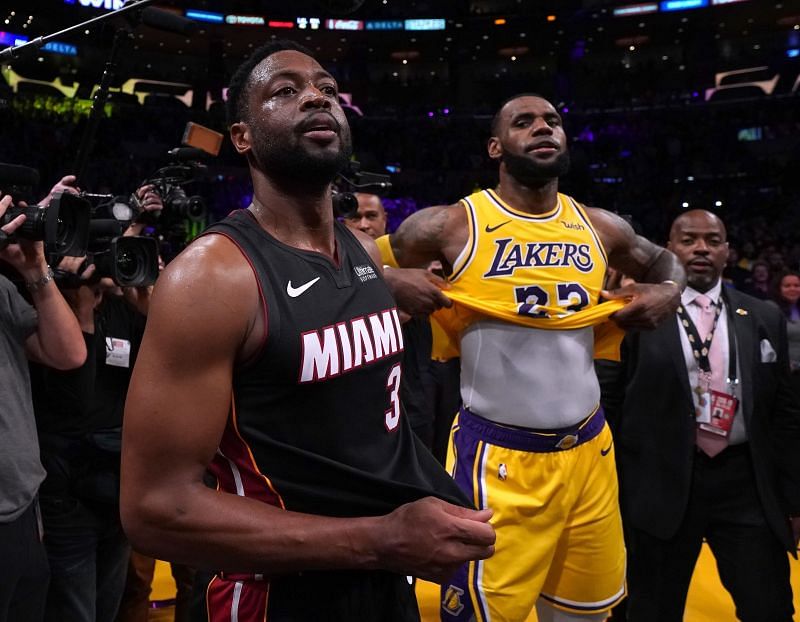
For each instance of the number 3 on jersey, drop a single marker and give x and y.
(393, 387)
(533, 300)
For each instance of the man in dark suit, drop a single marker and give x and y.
(708, 443)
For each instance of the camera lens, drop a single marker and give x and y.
(127, 265)
(65, 230)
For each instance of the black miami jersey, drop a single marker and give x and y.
(315, 424)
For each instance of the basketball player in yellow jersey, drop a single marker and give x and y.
(527, 264)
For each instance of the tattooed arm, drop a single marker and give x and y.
(433, 233)
(659, 276)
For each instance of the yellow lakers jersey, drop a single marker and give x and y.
(539, 270)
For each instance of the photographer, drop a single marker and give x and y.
(79, 415)
(48, 333)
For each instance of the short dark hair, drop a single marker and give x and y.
(496, 117)
(236, 104)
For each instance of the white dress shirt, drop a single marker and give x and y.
(738, 432)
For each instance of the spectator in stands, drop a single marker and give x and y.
(758, 283)
(786, 294)
(734, 274)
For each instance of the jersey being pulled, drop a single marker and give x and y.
(542, 271)
(315, 423)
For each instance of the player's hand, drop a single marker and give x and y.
(417, 291)
(431, 538)
(649, 304)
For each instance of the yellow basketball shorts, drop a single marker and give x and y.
(556, 515)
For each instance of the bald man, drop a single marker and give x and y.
(708, 445)
(370, 217)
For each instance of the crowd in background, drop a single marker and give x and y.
(646, 164)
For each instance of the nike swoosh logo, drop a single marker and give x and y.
(495, 228)
(294, 292)
(604, 452)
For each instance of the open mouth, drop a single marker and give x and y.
(320, 127)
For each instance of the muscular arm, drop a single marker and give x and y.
(417, 291)
(659, 275)
(632, 254)
(204, 308)
(438, 232)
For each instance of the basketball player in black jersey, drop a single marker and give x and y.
(271, 358)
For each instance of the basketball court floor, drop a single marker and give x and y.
(707, 602)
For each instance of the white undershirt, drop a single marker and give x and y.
(528, 377)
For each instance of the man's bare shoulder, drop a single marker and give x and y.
(437, 232)
(211, 278)
(614, 231)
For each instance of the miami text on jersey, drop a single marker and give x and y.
(343, 347)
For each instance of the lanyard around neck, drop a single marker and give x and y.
(700, 348)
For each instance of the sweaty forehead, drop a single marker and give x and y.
(285, 62)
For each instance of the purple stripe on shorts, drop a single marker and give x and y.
(456, 603)
(539, 441)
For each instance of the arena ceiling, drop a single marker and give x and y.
(488, 32)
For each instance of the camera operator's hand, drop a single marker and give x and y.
(65, 184)
(84, 299)
(150, 202)
(26, 256)
(12, 226)
(139, 297)
(58, 341)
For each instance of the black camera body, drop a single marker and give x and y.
(351, 180)
(131, 261)
(168, 183)
(63, 225)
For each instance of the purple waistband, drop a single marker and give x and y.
(558, 439)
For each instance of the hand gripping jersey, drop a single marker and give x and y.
(315, 425)
(530, 441)
(542, 271)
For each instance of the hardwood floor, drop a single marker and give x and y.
(707, 602)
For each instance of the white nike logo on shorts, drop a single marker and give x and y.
(294, 292)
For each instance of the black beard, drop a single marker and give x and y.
(702, 283)
(290, 162)
(532, 173)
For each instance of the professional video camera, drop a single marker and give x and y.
(168, 181)
(131, 261)
(63, 225)
(353, 179)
